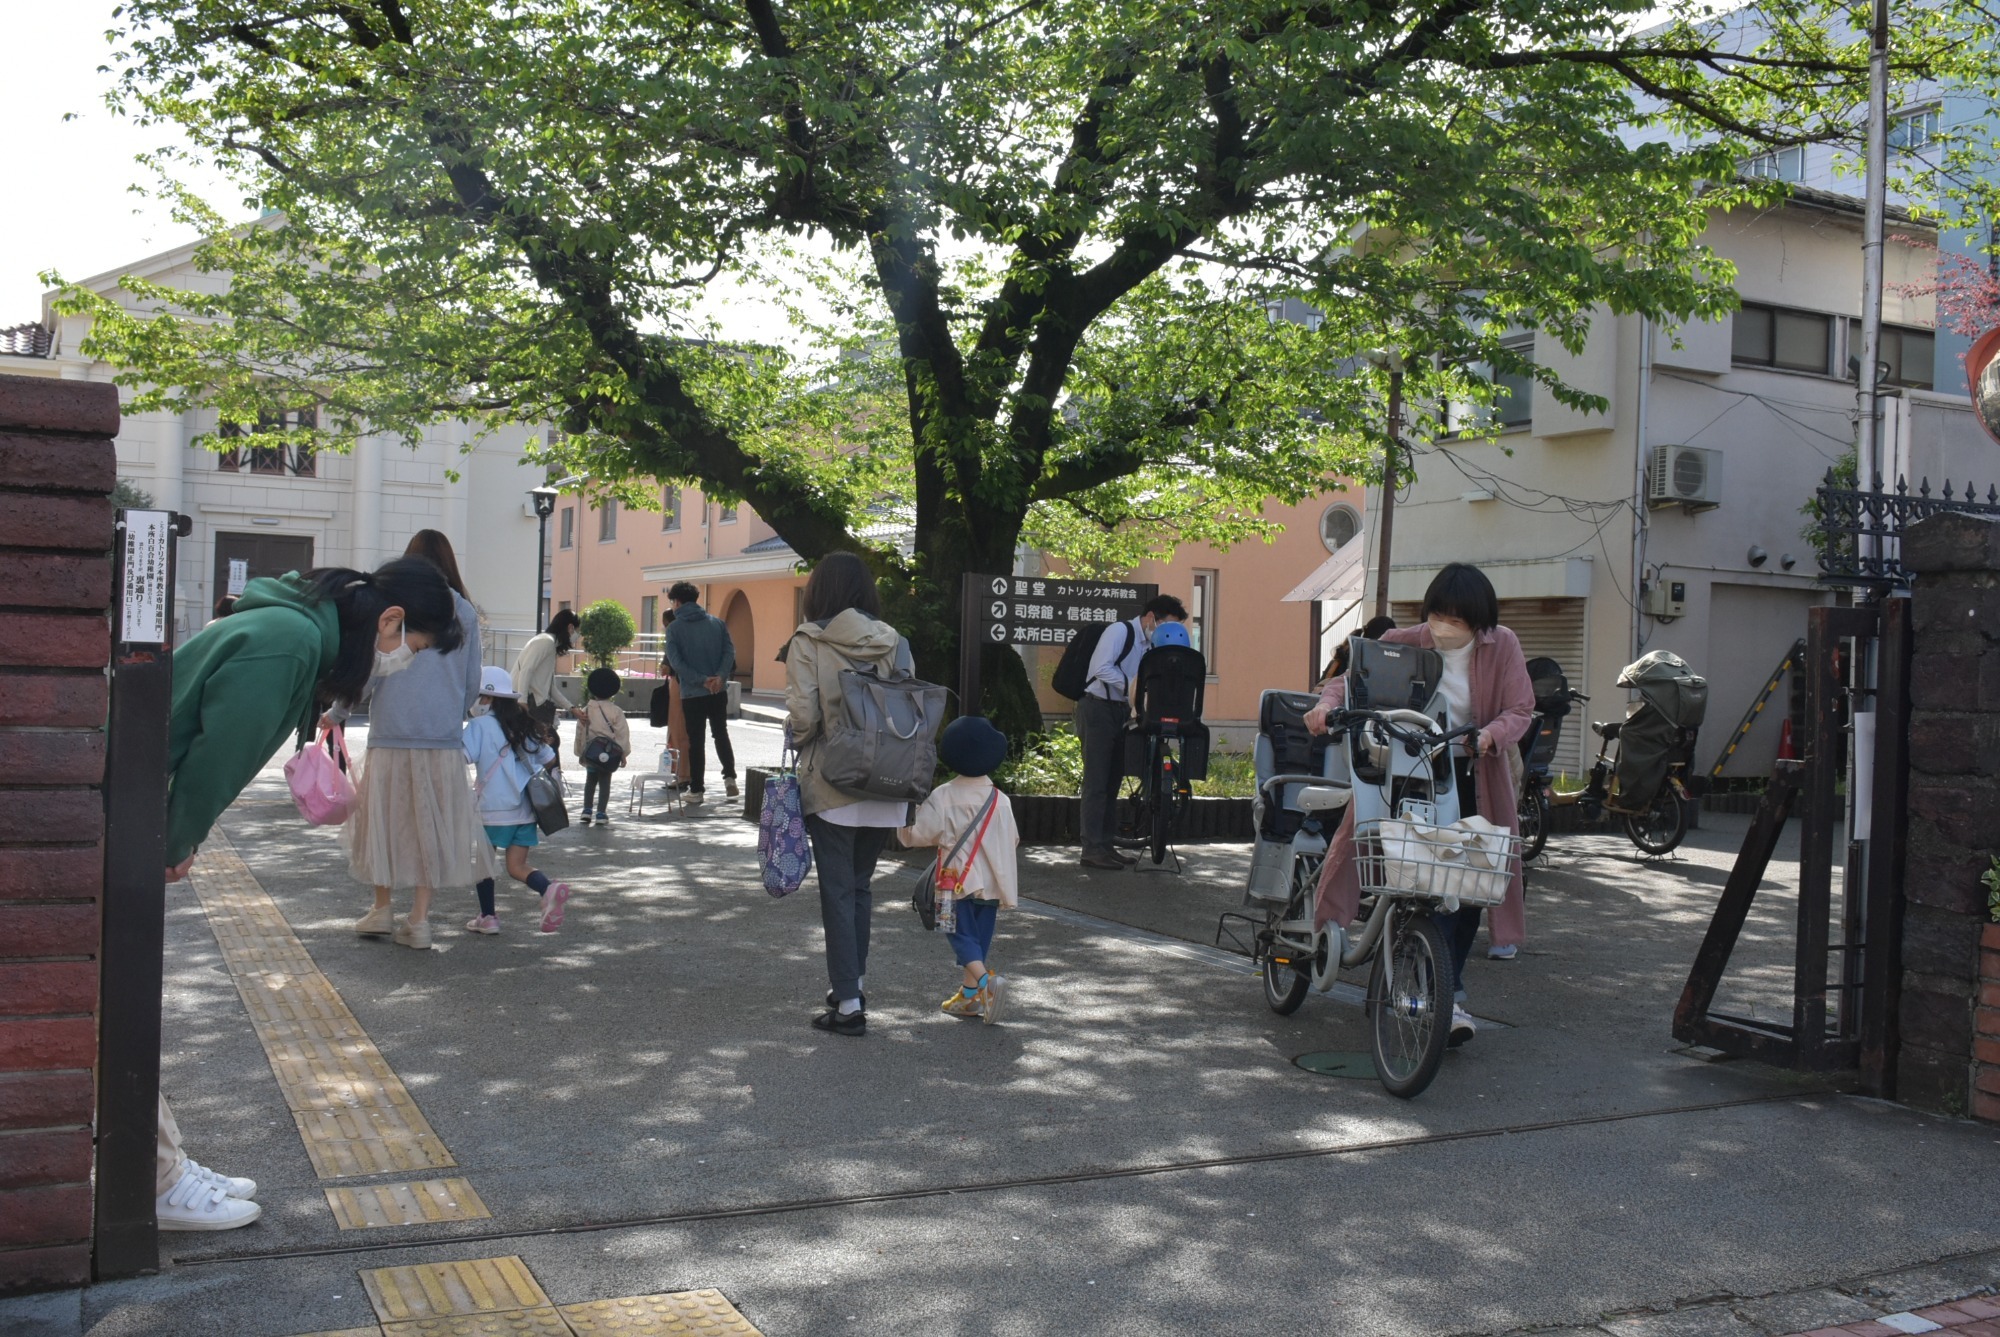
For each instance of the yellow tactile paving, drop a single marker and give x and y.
(410, 1204)
(353, 1113)
(441, 1290)
(681, 1314)
(347, 1332)
(542, 1322)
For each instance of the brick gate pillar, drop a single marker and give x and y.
(57, 469)
(1950, 1013)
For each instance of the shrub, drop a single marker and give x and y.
(605, 629)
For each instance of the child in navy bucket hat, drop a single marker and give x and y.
(983, 877)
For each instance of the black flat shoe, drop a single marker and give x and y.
(853, 1023)
(833, 1004)
(1108, 862)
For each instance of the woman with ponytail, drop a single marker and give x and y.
(243, 686)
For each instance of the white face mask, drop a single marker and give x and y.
(1449, 635)
(396, 660)
(481, 708)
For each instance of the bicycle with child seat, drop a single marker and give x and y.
(1658, 828)
(1159, 801)
(1412, 857)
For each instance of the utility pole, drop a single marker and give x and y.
(1868, 454)
(1386, 526)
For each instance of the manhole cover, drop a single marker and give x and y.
(1335, 1063)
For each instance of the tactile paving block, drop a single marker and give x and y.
(681, 1314)
(411, 1204)
(353, 1113)
(542, 1322)
(347, 1332)
(443, 1290)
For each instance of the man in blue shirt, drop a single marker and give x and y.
(1101, 714)
(701, 655)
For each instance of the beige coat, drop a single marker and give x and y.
(813, 664)
(944, 816)
(601, 719)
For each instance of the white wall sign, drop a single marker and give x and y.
(239, 574)
(147, 598)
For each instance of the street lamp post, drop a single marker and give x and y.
(545, 506)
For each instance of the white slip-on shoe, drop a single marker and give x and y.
(1507, 953)
(1462, 1027)
(413, 935)
(996, 994)
(381, 919)
(234, 1185)
(193, 1203)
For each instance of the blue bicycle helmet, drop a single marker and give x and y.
(1171, 633)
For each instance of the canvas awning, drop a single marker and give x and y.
(1338, 580)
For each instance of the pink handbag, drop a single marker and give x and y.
(318, 777)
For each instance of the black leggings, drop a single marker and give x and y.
(598, 783)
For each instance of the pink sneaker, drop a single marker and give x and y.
(483, 924)
(553, 901)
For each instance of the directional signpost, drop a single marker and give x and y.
(1034, 610)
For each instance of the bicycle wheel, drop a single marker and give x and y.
(1534, 814)
(1285, 986)
(1409, 1000)
(1166, 774)
(1663, 825)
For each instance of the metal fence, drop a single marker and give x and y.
(1860, 531)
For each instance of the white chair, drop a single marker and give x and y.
(661, 778)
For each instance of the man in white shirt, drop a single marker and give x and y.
(1101, 714)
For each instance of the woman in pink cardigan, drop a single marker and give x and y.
(1485, 683)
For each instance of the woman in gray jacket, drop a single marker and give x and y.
(843, 630)
(416, 824)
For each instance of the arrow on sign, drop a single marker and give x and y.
(999, 585)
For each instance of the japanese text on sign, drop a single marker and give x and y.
(1030, 610)
(146, 602)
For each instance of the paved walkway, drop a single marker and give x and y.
(632, 1114)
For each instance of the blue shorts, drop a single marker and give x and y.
(527, 835)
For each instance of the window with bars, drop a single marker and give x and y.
(296, 459)
(670, 510)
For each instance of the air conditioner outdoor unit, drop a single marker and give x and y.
(1685, 476)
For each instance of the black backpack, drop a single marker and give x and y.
(1072, 675)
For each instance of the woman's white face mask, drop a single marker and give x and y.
(389, 662)
(1448, 633)
(481, 707)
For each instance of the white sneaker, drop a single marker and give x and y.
(693, 798)
(996, 994)
(1507, 953)
(233, 1185)
(193, 1203)
(1462, 1028)
(413, 935)
(488, 924)
(381, 919)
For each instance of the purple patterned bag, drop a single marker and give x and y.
(782, 846)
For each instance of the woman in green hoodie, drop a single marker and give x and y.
(292, 646)
(242, 686)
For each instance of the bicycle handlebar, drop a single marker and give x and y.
(1402, 733)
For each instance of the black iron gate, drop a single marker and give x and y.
(1846, 964)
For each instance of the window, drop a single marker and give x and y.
(1338, 525)
(1771, 336)
(728, 516)
(297, 460)
(1513, 395)
(670, 510)
(649, 614)
(607, 520)
(1913, 130)
(1201, 616)
(1786, 164)
(1907, 355)
(568, 527)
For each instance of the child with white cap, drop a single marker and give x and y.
(506, 748)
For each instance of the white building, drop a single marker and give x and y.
(289, 510)
(1743, 420)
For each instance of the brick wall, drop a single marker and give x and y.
(1954, 816)
(57, 467)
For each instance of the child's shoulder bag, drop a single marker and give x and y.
(935, 898)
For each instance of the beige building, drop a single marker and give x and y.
(1672, 521)
(266, 512)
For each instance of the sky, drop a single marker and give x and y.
(71, 208)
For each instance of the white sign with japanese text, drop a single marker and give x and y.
(146, 601)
